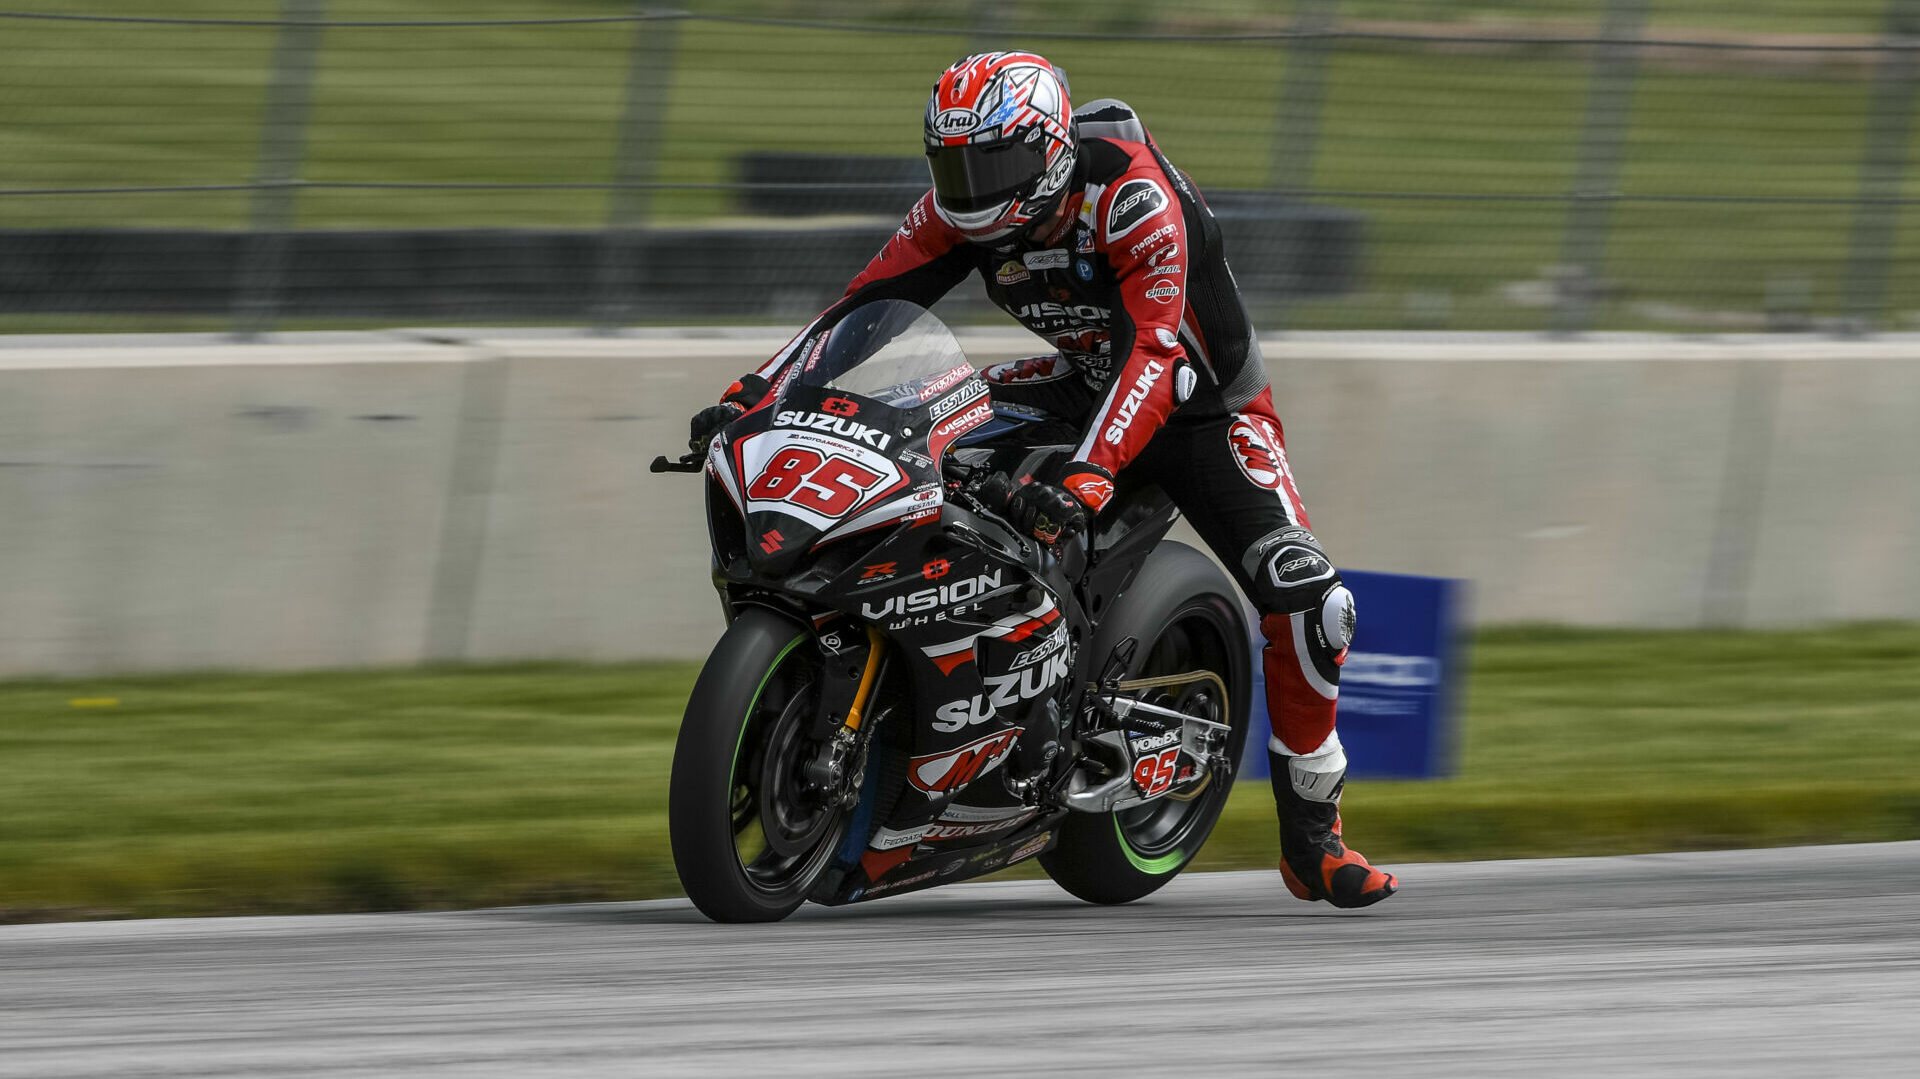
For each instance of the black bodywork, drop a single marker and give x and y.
(990, 639)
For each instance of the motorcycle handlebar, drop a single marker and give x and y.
(995, 491)
(691, 462)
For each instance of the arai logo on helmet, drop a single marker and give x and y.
(955, 122)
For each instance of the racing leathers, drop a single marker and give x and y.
(1157, 360)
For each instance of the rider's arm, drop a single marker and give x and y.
(1144, 238)
(922, 261)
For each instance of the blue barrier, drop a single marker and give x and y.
(1400, 683)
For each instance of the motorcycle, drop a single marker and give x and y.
(910, 691)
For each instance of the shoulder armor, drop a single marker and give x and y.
(1109, 118)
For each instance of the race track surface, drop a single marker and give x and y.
(1785, 962)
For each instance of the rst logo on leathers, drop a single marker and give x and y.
(838, 425)
(940, 774)
(1136, 202)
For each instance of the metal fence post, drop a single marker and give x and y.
(1603, 140)
(1303, 92)
(1884, 160)
(1296, 133)
(636, 164)
(988, 26)
(261, 277)
(1743, 487)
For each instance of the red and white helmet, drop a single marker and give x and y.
(1000, 143)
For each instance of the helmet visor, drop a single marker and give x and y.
(978, 176)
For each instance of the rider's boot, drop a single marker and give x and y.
(1313, 861)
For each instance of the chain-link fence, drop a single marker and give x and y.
(1553, 165)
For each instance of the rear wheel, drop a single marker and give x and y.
(1185, 615)
(750, 837)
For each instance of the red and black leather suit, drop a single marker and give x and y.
(1158, 361)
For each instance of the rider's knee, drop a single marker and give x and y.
(1291, 575)
(1289, 572)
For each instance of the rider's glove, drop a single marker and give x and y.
(1049, 511)
(710, 421)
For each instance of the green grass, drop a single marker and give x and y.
(110, 104)
(350, 791)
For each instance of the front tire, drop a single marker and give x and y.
(748, 841)
(1186, 617)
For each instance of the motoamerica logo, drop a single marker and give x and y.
(926, 599)
(839, 425)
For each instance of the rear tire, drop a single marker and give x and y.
(747, 843)
(1186, 616)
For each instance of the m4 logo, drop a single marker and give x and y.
(940, 774)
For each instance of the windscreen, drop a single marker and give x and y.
(889, 350)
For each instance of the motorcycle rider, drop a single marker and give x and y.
(1083, 231)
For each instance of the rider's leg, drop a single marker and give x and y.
(1234, 484)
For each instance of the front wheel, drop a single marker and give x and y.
(1183, 612)
(749, 835)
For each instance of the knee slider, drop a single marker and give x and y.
(1338, 618)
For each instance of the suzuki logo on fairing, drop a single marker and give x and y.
(1135, 397)
(839, 425)
(926, 599)
(1002, 691)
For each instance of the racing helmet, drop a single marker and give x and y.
(1000, 143)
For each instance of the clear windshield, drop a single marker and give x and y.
(889, 350)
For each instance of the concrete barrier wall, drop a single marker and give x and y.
(385, 502)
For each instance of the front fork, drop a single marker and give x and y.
(851, 668)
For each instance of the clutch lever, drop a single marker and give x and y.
(691, 462)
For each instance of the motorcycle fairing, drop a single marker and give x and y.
(992, 631)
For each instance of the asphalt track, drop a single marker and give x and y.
(1782, 962)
